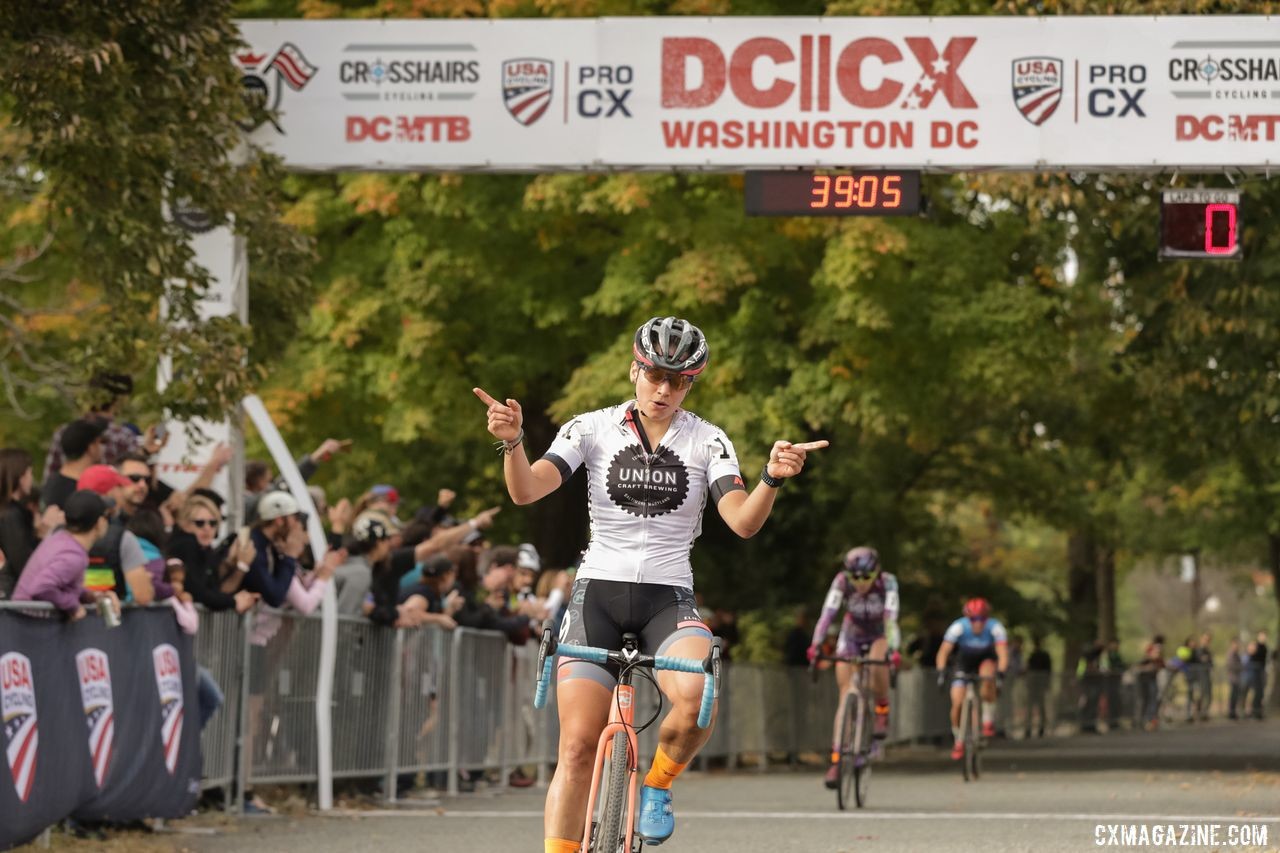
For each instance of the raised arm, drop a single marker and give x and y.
(526, 482)
(746, 513)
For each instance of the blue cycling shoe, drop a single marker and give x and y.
(656, 820)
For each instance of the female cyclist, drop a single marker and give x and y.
(651, 466)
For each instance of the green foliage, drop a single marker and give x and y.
(114, 111)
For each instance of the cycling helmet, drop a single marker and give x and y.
(277, 504)
(862, 561)
(670, 343)
(977, 608)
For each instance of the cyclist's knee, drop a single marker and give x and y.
(577, 754)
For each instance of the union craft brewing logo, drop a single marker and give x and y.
(647, 490)
(527, 86)
(1037, 87)
(18, 710)
(263, 78)
(169, 683)
(99, 708)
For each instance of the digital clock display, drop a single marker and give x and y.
(833, 193)
(1200, 224)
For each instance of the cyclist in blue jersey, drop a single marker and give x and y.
(982, 648)
(651, 466)
(869, 597)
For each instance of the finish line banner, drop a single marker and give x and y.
(98, 723)
(739, 93)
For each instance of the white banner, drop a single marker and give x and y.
(220, 252)
(739, 93)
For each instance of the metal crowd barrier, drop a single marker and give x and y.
(447, 702)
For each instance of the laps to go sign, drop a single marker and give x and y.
(833, 193)
(1200, 224)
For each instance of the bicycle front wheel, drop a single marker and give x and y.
(973, 748)
(613, 806)
(848, 752)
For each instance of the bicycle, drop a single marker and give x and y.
(970, 722)
(606, 828)
(853, 734)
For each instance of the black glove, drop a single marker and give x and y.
(942, 679)
(1000, 680)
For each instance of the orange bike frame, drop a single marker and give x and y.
(621, 719)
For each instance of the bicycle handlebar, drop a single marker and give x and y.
(709, 668)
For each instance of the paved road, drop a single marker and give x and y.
(1043, 796)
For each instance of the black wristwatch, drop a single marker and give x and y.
(771, 482)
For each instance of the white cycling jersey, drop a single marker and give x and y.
(645, 503)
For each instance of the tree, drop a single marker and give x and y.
(113, 112)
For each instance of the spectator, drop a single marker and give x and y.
(368, 545)
(486, 607)
(80, 443)
(1039, 672)
(795, 647)
(20, 529)
(117, 439)
(1017, 666)
(148, 526)
(1235, 678)
(436, 586)
(257, 475)
(1149, 669)
(1203, 672)
(1257, 674)
(56, 570)
(1089, 674)
(117, 561)
(1184, 662)
(144, 489)
(553, 591)
(1113, 667)
(209, 696)
(278, 538)
(204, 576)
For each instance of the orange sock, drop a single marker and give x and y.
(560, 845)
(664, 771)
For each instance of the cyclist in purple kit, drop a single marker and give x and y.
(870, 629)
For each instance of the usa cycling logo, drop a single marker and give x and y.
(99, 708)
(169, 683)
(18, 711)
(264, 79)
(1037, 87)
(527, 88)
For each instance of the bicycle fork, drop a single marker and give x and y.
(621, 719)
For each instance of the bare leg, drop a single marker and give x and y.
(584, 710)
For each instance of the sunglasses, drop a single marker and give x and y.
(657, 376)
(204, 522)
(863, 577)
(138, 478)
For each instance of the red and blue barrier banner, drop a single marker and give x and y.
(95, 721)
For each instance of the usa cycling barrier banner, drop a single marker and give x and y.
(98, 723)
(692, 93)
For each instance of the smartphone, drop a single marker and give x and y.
(162, 431)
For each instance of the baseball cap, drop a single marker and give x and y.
(387, 493)
(84, 508)
(102, 479)
(78, 435)
(527, 558)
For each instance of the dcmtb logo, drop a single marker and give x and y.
(263, 80)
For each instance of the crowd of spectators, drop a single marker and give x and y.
(102, 530)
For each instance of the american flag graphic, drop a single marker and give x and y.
(94, 669)
(102, 733)
(24, 739)
(18, 710)
(169, 683)
(1037, 87)
(527, 86)
(293, 66)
